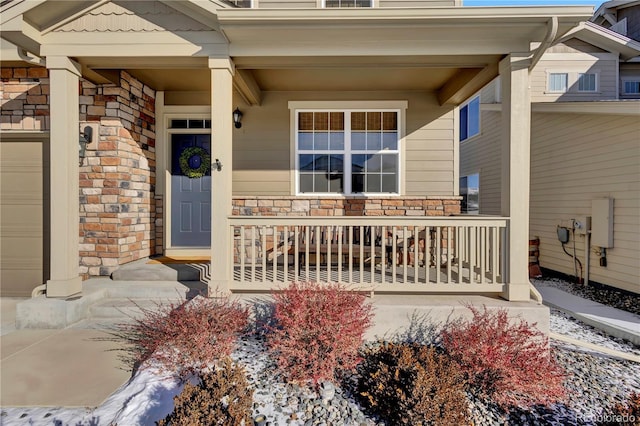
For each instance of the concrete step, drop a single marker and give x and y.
(141, 270)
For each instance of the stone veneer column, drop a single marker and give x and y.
(221, 148)
(516, 135)
(64, 77)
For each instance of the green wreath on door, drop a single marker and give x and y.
(195, 162)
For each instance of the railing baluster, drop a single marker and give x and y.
(264, 254)
(350, 242)
(307, 230)
(405, 252)
(253, 254)
(472, 254)
(372, 243)
(361, 244)
(274, 251)
(383, 258)
(340, 254)
(438, 253)
(296, 253)
(494, 254)
(241, 252)
(285, 255)
(449, 230)
(329, 266)
(427, 253)
(394, 248)
(416, 255)
(318, 238)
(483, 251)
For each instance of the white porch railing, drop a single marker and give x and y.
(391, 254)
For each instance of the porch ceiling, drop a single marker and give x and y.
(376, 73)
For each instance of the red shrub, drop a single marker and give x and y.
(187, 337)
(318, 330)
(509, 363)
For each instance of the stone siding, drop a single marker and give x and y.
(24, 99)
(117, 180)
(345, 206)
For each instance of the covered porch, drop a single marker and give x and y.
(418, 64)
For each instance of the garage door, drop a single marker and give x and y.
(24, 202)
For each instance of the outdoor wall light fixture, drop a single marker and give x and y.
(237, 116)
(86, 136)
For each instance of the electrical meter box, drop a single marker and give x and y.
(602, 222)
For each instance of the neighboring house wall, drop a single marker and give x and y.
(632, 15)
(574, 57)
(481, 154)
(577, 158)
(262, 159)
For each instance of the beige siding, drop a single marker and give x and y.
(288, 4)
(491, 92)
(606, 83)
(575, 158)
(481, 154)
(24, 206)
(632, 14)
(574, 46)
(262, 146)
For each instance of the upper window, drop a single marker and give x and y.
(558, 82)
(348, 3)
(632, 87)
(347, 152)
(586, 82)
(242, 3)
(470, 119)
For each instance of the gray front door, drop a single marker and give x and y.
(190, 197)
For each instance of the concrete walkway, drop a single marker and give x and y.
(48, 368)
(614, 322)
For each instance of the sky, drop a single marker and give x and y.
(593, 3)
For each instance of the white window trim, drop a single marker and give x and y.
(471, 99)
(347, 106)
(597, 82)
(572, 81)
(628, 80)
(549, 74)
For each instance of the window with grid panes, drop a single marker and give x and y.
(586, 82)
(347, 152)
(348, 3)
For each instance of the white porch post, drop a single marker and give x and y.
(221, 149)
(65, 203)
(516, 135)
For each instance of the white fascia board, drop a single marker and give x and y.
(17, 8)
(604, 39)
(493, 14)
